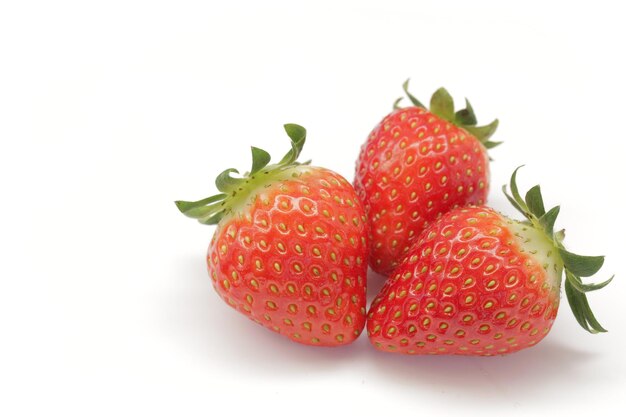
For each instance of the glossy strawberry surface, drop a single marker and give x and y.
(414, 167)
(475, 283)
(294, 259)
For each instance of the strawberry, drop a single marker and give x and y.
(479, 283)
(290, 248)
(416, 165)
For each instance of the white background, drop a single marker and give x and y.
(109, 111)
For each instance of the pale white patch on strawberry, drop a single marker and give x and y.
(540, 248)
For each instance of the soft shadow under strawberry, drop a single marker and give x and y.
(503, 379)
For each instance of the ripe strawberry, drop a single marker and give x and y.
(415, 166)
(290, 249)
(479, 283)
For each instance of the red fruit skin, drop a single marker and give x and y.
(295, 260)
(413, 168)
(467, 287)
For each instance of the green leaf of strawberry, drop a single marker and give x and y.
(583, 266)
(465, 116)
(534, 201)
(442, 105)
(260, 159)
(413, 100)
(297, 134)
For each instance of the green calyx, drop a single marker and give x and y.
(442, 105)
(234, 191)
(575, 266)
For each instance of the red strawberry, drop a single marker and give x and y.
(415, 166)
(478, 283)
(290, 249)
